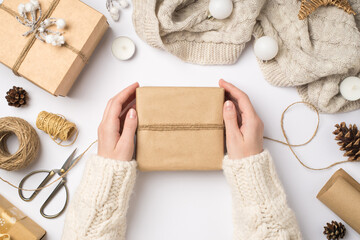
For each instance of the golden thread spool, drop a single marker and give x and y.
(29, 143)
(57, 127)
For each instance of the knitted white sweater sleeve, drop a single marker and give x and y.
(260, 210)
(98, 209)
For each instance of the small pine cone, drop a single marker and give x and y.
(334, 230)
(16, 96)
(349, 140)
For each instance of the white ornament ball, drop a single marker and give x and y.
(49, 39)
(221, 9)
(60, 23)
(41, 29)
(266, 48)
(21, 9)
(35, 3)
(29, 7)
(123, 3)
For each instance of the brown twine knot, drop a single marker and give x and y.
(29, 143)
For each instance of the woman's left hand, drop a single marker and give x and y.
(116, 133)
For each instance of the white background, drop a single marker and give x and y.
(178, 205)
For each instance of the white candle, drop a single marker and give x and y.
(350, 88)
(123, 48)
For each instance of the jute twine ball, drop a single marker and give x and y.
(29, 143)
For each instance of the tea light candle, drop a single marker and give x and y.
(350, 88)
(221, 9)
(123, 48)
(266, 48)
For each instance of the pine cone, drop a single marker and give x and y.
(349, 140)
(334, 230)
(16, 96)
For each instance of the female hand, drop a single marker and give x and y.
(244, 128)
(116, 132)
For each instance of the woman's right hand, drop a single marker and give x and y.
(116, 133)
(244, 128)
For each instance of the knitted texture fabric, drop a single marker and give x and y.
(260, 209)
(315, 54)
(182, 28)
(324, 93)
(98, 209)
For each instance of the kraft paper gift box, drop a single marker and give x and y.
(179, 128)
(53, 68)
(15, 225)
(342, 195)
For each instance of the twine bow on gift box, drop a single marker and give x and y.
(39, 24)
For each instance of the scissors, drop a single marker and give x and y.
(68, 163)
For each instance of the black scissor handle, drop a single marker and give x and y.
(43, 183)
(52, 195)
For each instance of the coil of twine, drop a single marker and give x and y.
(29, 143)
(57, 127)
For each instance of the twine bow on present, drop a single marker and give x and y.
(39, 24)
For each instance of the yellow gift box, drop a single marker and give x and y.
(15, 225)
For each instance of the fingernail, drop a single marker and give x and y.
(132, 113)
(228, 105)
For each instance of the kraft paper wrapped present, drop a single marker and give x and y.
(53, 68)
(342, 195)
(179, 128)
(15, 225)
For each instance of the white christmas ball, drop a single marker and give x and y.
(21, 8)
(29, 7)
(60, 23)
(123, 3)
(220, 9)
(41, 29)
(35, 3)
(49, 39)
(266, 48)
(47, 22)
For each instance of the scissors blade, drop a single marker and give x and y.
(69, 161)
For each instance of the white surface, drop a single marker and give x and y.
(180, 205)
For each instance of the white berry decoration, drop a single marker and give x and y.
(35, 3)
(266, 48)
(115, 13)
(21, 9)
(60, 23)
(113, 6)
(29, 7)
(41, 31)
(123, 3)
(220, 9)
